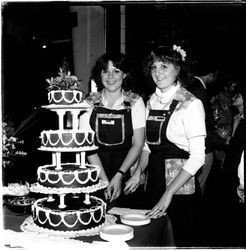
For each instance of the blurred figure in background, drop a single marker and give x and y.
(232, 213)
(205, 77)
(225, 115)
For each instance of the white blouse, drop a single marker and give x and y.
(186, 127)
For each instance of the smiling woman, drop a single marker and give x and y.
(164, 75)
(174, 146)
(112, 79)
(118, 118)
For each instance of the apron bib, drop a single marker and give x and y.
(166, 159)
(113, 135)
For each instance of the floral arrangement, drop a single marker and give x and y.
(64, 81)
(180, 51)
(10, 147)
(16, 189)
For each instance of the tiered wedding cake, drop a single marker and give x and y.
(69, 208)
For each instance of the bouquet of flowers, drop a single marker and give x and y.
(64, 80)
(10, 147)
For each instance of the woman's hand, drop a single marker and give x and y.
(133, 183)
(113, 190)
(162, 205)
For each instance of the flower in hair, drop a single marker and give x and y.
(180, 51)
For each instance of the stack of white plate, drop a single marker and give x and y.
(116, 232)
(121, 232)
(135, 219)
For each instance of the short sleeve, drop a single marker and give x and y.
(138, 114)
(194, 119)
(84, 121)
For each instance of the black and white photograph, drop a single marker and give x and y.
(122, 124)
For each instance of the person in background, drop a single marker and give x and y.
(198, 87)
(222, 105)
(174, 146)
(118, 118)
(232, 213)
(237, 110)
(226, 117)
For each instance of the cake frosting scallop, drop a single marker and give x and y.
(65, 97)
(73, 139)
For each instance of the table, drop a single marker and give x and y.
(156, 234)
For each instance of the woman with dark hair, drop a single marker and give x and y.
(175, 145)
(120, 61)
(118, 118)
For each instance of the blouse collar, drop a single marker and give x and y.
(117, 104)
(166, 97)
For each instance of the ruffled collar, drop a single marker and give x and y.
(160, 100)
(166, 97)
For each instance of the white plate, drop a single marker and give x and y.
(117, 232)
(135, 219)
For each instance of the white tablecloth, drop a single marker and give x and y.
(31, 241)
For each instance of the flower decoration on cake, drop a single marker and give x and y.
(180, 51)
(64, 80)
(10, 147)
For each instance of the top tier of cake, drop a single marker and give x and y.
(64, 102)
(64, 89)
(65, 97)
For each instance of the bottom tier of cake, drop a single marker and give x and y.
(76, 216)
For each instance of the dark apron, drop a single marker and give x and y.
(181, 210)
(113, 135)
(161, 149)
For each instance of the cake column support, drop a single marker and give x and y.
(58, 161)
(62, 203)
(53, 158)
(82, 160)
(87, 199)
(61, 114)
(75, 114)
(50, 197)
(78, 158)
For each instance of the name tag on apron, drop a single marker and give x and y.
(107, 122)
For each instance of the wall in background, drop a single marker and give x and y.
(88, 38)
